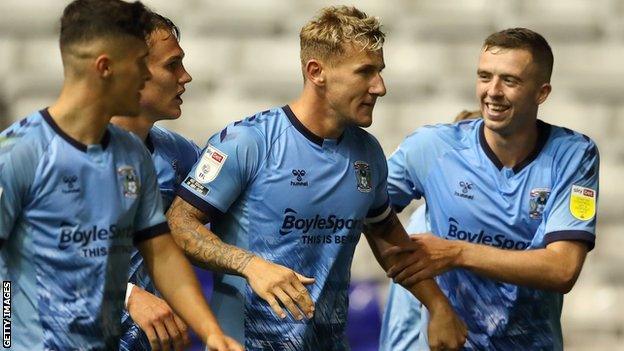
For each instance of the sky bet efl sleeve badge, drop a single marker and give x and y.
(363, 176)
(582, 203)
(210, 164)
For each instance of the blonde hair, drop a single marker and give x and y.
(325, 36)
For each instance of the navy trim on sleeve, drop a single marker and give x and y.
(212, 212)
(378, 211)
(397, 208)
(151, 232)
(578, 235)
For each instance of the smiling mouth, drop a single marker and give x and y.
(496, 108)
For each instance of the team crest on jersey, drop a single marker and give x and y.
(131, 185)
(210, 164)
(537, 202)
(582, 202)
(362, 176)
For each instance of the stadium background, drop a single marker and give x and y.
(244, 57)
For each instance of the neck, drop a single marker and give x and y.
(139, 125)
(80, 113)
(314, 112)
(513, 148)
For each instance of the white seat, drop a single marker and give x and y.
(30, 19)
(591, 119)
(240, 18)
(210, 59)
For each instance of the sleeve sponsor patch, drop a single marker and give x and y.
(210, 164)
(582, 203)
(197, 186)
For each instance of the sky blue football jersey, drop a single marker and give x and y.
(294, 199)
(550, 196)
(401, 324)
(173, 156)
(69, 216)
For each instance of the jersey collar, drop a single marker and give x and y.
(149, 143)
(543, 132)
(73, 142)
(305, 131)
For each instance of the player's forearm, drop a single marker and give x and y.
(391, 233)
(545, 269)
(201, 245)
(430, 295)
(176, 281)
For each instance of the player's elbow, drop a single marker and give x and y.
(564, 287)
(565, 280)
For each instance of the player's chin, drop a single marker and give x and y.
(496, 124)
(175, 114)
(362, 123)
(364, 118)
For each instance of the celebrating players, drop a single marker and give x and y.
(511, 203)
(75, 193)
(289, 190)
(401, 324)
(149, 322)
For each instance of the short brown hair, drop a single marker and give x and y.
(324, 36)
(523, 38)
(161, 23)
(86, 20)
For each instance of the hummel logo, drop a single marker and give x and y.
(466, 187)
(69, 182)
(299, 174)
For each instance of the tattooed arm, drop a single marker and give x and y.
(201, 245)
(272, 282)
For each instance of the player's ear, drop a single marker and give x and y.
(103, 66)
(543, 93)
(314, 72)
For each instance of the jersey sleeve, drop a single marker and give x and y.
(227, 164)
(197, 151)
(572, 215)
(404, 183)
(150, 219)
(381, 203)
(189, 154)
(190, 151)
(17, 171)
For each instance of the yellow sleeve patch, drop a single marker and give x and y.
(582, 203)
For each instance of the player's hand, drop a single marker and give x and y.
(425, 257)
(220, 342)
(164, 329)
(277, 285)
(446, 331)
